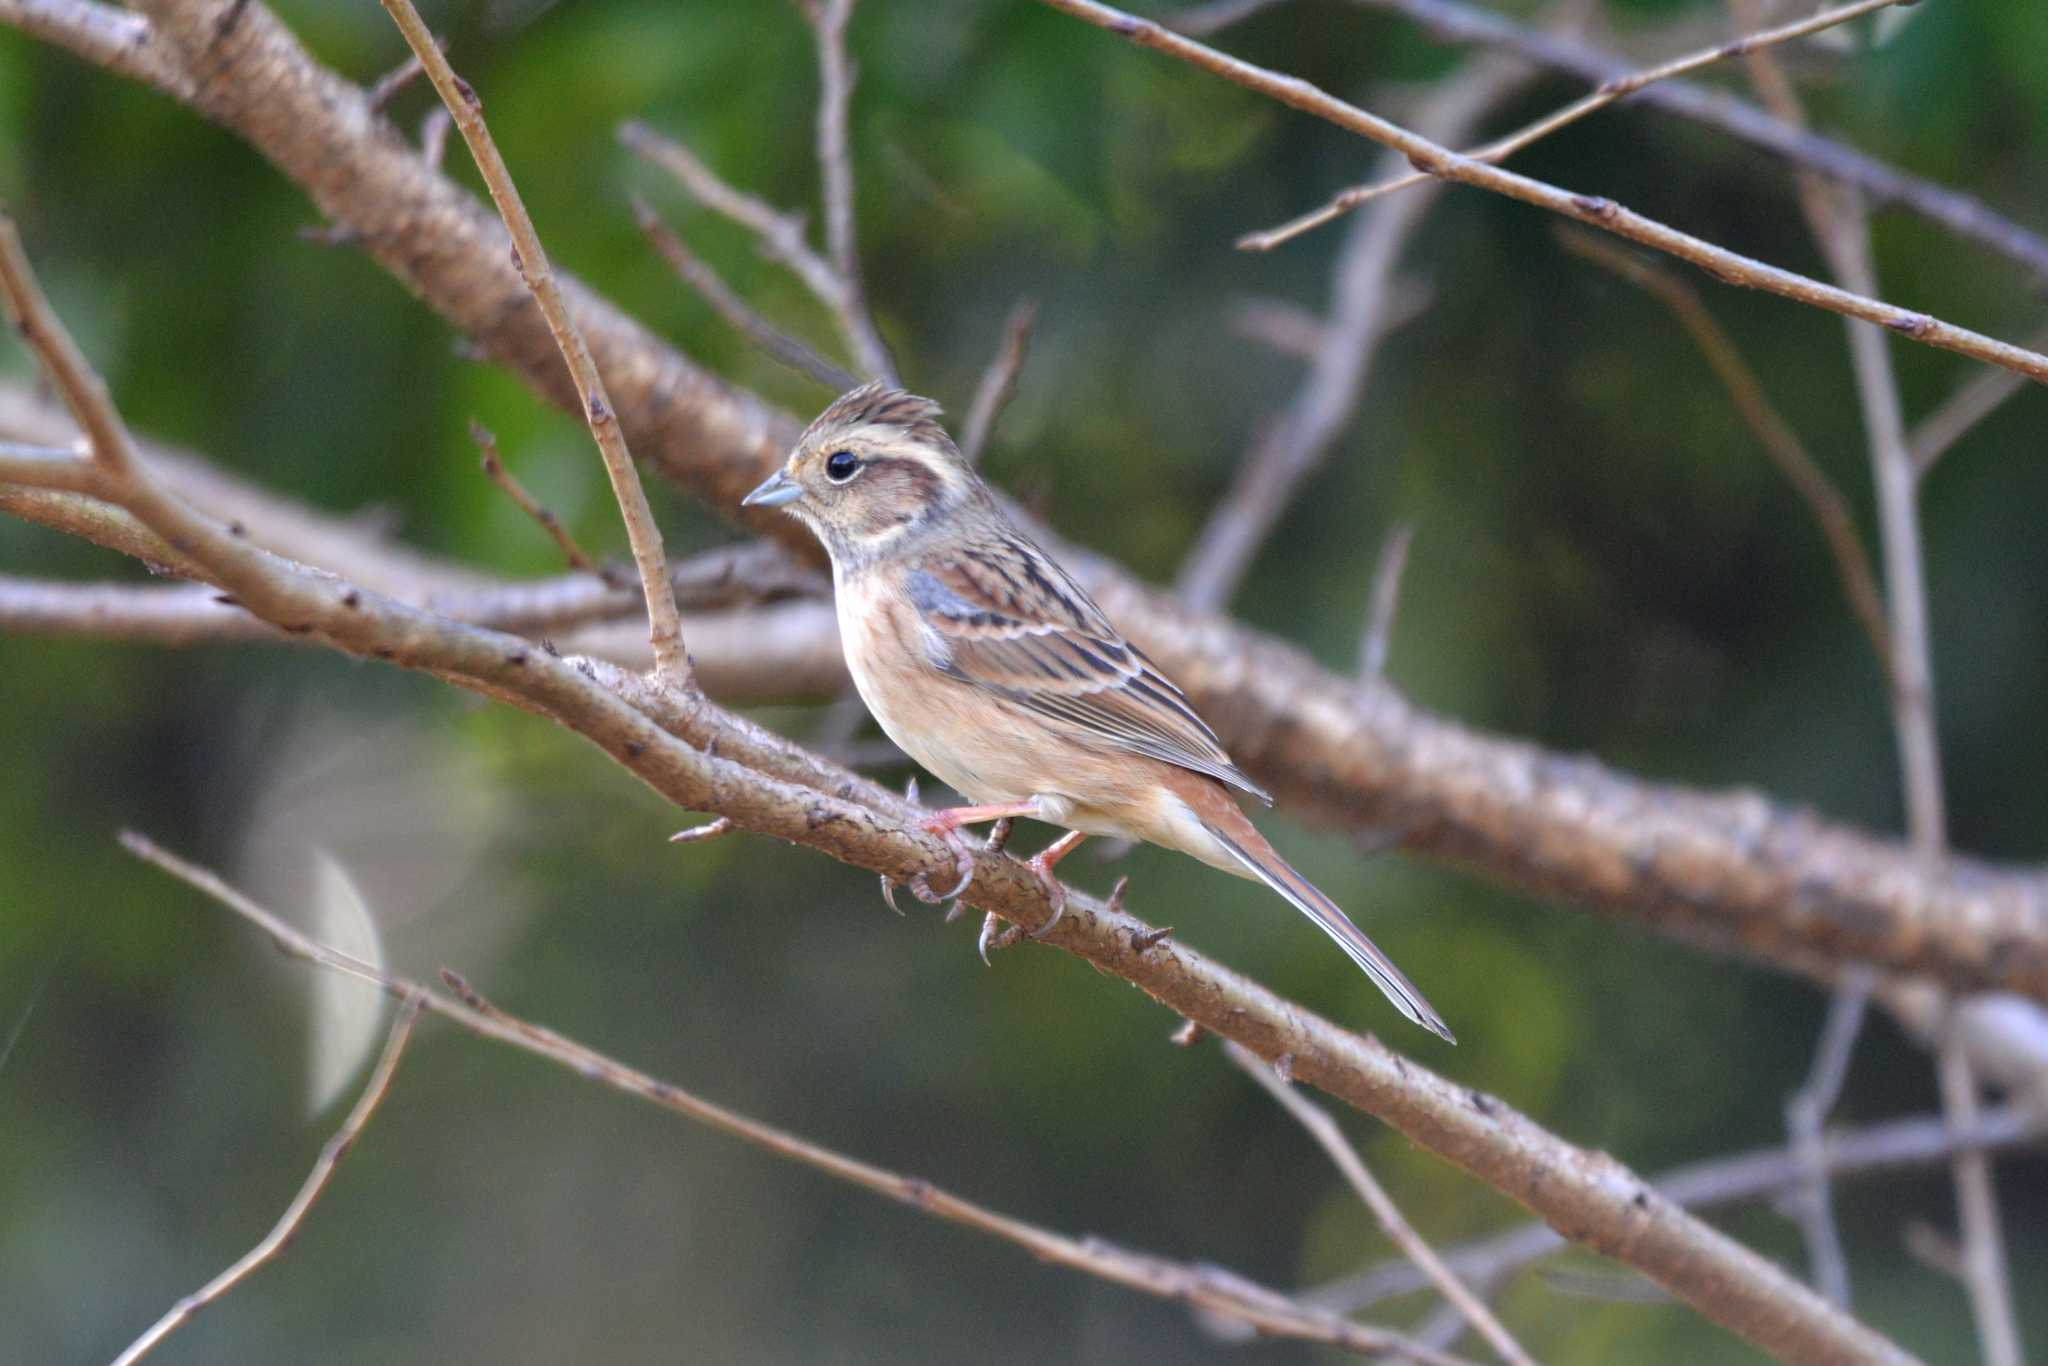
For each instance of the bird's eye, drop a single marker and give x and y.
(841, 466)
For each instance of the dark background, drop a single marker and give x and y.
(1604, 562)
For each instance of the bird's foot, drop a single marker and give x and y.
(995, 935)
(963, 855)
(998, 836)
(1056, 894)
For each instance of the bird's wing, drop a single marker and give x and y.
(1004, 617)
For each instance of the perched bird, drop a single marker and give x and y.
(989, 665)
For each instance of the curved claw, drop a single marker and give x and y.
(995, 937)
(1054, 892)
(922, 887)
(889, 893)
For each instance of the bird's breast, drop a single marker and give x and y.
(951, 728)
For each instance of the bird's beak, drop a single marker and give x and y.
(776, 490)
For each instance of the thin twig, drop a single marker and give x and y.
(1806, 1113)
(1593, 210)
(772, 341)
(1715, 1182)
(1976, 399)
(1386, 600)
(386, 88)
(664, 623)
(999, 381)
(1215, 1292)
(835, 171)
(1829, 508)
(1841, 227)
(1459, 21)
(1295, 442)
(48, 467)
(778, 236)
(1331, 1139)
(1841, 224)
(495, 471)
(315, 1184)
(434, 129)
(1501, 149)
(1285, 326)
(1982, 1265)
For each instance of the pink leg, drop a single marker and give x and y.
(953, 817)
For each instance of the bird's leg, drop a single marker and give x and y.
(998, 836)
(946, 824)
(953, 817)
(994, 935)
(1041, 864)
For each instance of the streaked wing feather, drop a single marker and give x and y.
(1005, 617)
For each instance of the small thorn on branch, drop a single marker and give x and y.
(710, 830)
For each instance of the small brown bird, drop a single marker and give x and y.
(989, 665)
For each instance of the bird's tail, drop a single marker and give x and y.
(1242, 841)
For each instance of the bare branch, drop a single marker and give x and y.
(1386, 600)
(495, 471)
(48, 467)
(1977, 398)
(1611, 90)
(1982, 1266)
(1829, 508)
(1842, 226)
(117, 39)
(779, 236)
(1805, 1113)
(665, 629)
(1746, 1177)
(835, 170)
(999, 380)
(392, 83)
(773, 342)
(702, 758)
(316, 1181)
(1295, 442)
(1221, 1293)
(1458, 21)
(1399, 1231)
(1592, 210)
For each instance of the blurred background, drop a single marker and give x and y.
(1604, 562)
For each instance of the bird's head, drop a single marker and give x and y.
(872, 471)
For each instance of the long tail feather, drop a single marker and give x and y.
(1268, 867)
